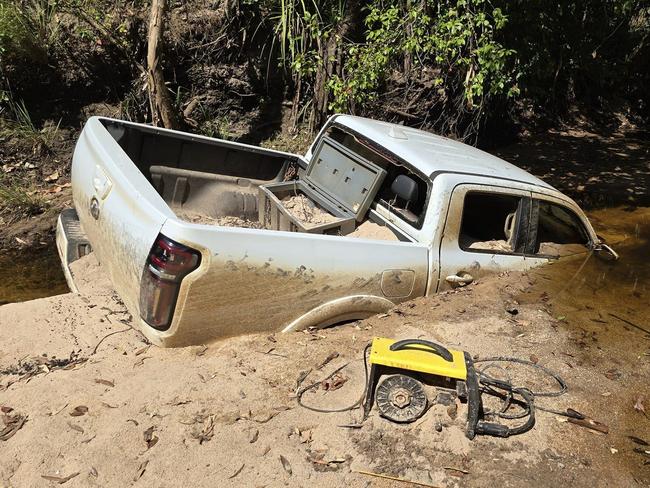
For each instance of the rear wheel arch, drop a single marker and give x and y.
(347, 308)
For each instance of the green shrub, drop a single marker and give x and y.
(12, 31)
(456, 39)
(341, 54)
(28, 28)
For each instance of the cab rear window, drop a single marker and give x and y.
(409, 206)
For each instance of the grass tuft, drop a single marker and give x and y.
(17, 122)
(18, 201)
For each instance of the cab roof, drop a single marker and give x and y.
(431, 154)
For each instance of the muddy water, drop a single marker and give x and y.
(29, 275)
(589, 292)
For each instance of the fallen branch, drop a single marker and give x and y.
(629, 323)
(401, 113)
(327, 360)
(590, 424)
(108, 335)
(271, 353)
(394, 478)
(59, 479)
(237, 472)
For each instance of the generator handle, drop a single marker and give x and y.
(441, 351)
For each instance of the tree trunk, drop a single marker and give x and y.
(406, 6)
(162, 110)
(323, 74)
(331, 54)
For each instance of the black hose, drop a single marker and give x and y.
(356, 404)
(563, 386)
(492, 386)
(529, 398)
(508, 399)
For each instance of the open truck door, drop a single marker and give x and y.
(486, 231)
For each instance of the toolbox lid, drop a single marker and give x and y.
(344, 176)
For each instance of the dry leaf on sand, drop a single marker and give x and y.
(79, 411)
(286, 464)
(149, 438)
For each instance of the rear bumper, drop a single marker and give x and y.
(71, 243)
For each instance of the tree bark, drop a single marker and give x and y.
(331, 54)
(162, 109)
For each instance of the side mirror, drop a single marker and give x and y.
(606, 253)
(406, 188)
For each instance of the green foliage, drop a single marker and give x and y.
(21, 116)
(217, 126)
(301, 26)
(28, 28)
(12, 31)
(16, 121)
(450, 65)
(99, 21)
(580, 51)
(351, 50)
(367, 63)
(457, 39)
(33, 28)
(469, 55)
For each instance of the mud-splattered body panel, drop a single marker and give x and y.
(256, 281)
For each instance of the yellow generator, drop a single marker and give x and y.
(399, 371)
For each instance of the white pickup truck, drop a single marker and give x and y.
(186, 225)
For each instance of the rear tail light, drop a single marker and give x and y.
(168, 263)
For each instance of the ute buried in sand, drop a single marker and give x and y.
(206, 238)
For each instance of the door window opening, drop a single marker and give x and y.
(490, 223)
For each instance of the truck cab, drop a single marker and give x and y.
(478, 213)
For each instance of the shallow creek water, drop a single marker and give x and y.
(25, 276)
(612, 295)
(605, 309)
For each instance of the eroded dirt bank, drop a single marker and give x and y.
(122, 413)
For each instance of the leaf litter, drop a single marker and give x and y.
(42, 364)
(76, 427)
(206, 431)
(13, 423)
(60, 479)
(79, 411)
(149, 437)
(286, 464)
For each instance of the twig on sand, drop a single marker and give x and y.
(237, 472)
(394, 478)
(108, 335)
(59, 479)
(271, 353)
